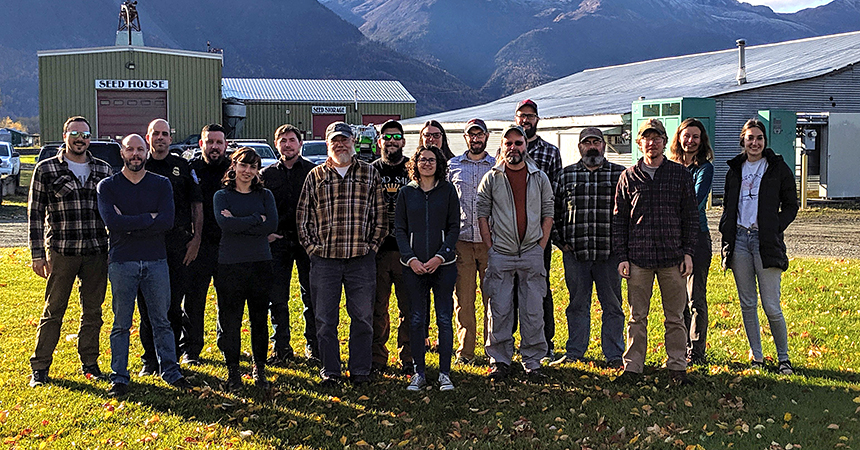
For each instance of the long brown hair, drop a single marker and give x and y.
(248, 156)
(446, 151)
(753, 123)
(676, 150)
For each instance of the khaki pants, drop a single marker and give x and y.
(92, 271)
(471, 261)
(673, 290)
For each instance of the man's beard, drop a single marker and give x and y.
(392, 157)
(592, 158)
(342, 158)
(480, 150)
(134, 166)
(514, 158)
(530, 132)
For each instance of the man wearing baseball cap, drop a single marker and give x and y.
(465, 172)
(518, 198)
(584, 197)
(655, 226)
(342, 219)
(548, 159)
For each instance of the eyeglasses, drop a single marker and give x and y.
(427, 161)
(432, 135)
(527, 116)
(512, 143)
(477, 135)
(388, 137)
(79, 134)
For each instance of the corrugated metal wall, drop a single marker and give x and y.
(67, 87)
(263, 118)
(812, 96)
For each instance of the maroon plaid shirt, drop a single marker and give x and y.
(655, 222)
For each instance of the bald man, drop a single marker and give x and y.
(182, 241)
(137, 208)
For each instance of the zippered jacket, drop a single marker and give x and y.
(496, 203)
(427, 224)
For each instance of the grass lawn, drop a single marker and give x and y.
(578, 407)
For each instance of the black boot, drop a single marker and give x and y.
(260, 376)
(234, 379)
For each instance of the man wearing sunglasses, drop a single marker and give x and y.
(74, 245)
(465, 172)
(518, 197)
(392, 168)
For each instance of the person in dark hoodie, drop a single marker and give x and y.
(759, 202)
(427, 226)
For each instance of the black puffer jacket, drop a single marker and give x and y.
(777, 208)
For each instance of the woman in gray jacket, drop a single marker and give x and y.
(427, 226)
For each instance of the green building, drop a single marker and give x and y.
(121, 89)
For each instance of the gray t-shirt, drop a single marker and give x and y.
(81, 170)
(651, 171)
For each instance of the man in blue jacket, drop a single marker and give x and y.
(137, 208)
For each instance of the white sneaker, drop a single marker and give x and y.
(418, 382)
(445, 383)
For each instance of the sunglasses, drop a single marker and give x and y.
(512, 143)
(388, 137)
(79, 134)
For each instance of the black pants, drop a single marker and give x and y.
(200, 274)
(284, 254)
(176, 249)
(696, 313)
(237, 284)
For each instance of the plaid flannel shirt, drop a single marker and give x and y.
(655, 222)
(547, 157)
(584, 201)
(62, 214)
(342, 217)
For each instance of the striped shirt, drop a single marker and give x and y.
(63, 215)
(547, 157)
(655, 222)
(342, 217)
(584, 201)
(465, 174)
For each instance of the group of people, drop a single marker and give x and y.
(436, 227)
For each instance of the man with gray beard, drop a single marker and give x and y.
(584, 196)
(342, 218)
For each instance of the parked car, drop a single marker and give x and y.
(314, 151)
(107, 151)
(191, 142)
(267, 155)
(10, 162)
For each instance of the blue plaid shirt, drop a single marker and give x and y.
(547, 157)
(466, 175)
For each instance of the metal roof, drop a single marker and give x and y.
(338, 91)
(612, 90)
(126, 48)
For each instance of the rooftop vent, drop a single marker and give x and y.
(128, 31)
(742, 62)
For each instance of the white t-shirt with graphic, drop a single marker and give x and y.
(751, 174)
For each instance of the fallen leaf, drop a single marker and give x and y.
(363, 398)
(787, 417)
(833, 426)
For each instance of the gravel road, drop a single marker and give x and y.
(817, 232)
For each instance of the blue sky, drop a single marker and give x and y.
(788, 6)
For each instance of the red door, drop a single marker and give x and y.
(121, 113)
(321, 121)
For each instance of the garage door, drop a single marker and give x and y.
(121, 113)
(321, 121)
(378, 119)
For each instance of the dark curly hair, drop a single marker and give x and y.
(441, 164)
(245, 155)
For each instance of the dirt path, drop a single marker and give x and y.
(820, 232)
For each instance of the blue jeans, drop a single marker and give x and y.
(441, 282)
(748, 271)
(579, 277)
(152, 278)
(357, 276)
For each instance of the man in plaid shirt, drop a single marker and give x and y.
(584, 197)
(73, 245)
(342, 218)
(548, 160)
(655, 227)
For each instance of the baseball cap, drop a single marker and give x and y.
(527, 102)
(652, 125)
(590, 132)
(338, 129)
(472, 123)
(513, 127)
(391, 123)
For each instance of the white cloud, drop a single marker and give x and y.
(788, 6)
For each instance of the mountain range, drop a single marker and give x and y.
(447, 53)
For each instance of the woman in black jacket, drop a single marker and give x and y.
(427, 226)
(759, 202)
